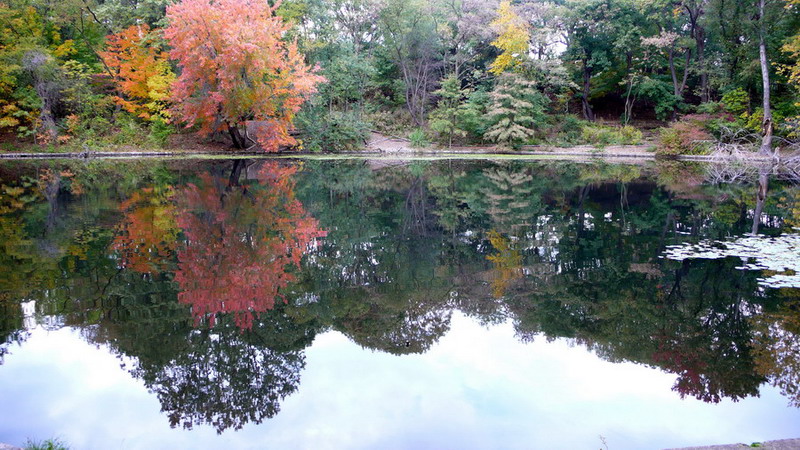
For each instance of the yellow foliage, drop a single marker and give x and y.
(507, 263)
(67, 48)
(142, 73)
(513, 40)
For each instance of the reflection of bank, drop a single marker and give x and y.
(778, 256)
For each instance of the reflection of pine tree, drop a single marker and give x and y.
(511, 198)
(451, 202)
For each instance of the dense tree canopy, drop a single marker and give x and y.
(329, 71)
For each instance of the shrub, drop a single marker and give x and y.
(566, 130)
(418, 138)
(602, 135)
(630, 135)
(160, 131)
(736, 101)
(753, 122)
(396, 122)
(710, 108)
(685, 137)
(334, 131)
(129, 132)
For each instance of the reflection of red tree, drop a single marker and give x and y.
(240, 241)
(146, 237)
(688, 363)
(710, 366)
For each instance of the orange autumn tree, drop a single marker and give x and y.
(141, 72)
(242, 243)
(236, 67)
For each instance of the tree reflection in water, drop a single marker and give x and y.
(214, 280)
(241, 240)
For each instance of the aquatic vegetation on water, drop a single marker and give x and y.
(778, 256)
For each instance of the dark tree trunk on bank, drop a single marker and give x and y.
(588, 114)
(700, 39)
(239, 142)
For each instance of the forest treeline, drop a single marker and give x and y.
(322, 74)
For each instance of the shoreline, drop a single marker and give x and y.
(627, 153)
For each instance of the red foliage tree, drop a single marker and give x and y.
(241, 243)
(236, 67)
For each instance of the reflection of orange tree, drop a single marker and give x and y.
(147, 236)
(240, 243)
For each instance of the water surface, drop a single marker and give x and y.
(392, 304)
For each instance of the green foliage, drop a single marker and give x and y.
(160, 131)
(602, 135)
(752, 122)
(348, 77)
(517, 111)
(710, 108)
(567, 130)
(736, 101)
(48, 444)
(418, 138)
(449, 119)
(661, 94)
(331, 131)
(382, 62)
(472, 114)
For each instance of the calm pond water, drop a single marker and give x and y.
(390, 304)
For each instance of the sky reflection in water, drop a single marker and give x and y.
(479, 387)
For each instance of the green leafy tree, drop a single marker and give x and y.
(517, 110)
(446, 119)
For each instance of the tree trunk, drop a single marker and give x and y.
(35, 62)
(236, 137)
(766, 124)
(671, 61)
(588, 114)
(626, 118)
(679, 85)
(700, 39)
